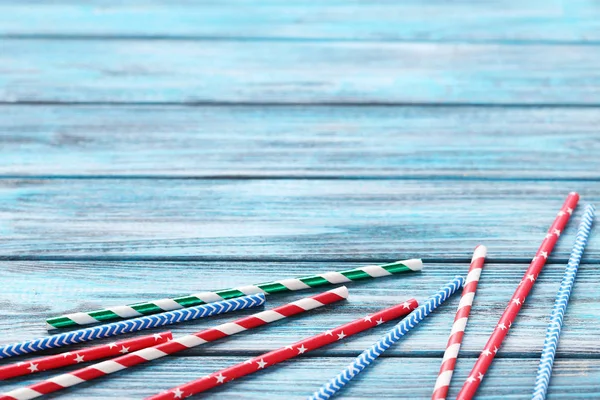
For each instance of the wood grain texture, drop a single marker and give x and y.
(48, 289)
(308, 72)
(171, 164)
(299, 220)
(388, 378)
(506, 20)
(386, 142)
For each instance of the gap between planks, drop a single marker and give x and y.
(302, 177)
(205, 38)
(323, 353)
(220, 103)
(192, 259)
(430, 355)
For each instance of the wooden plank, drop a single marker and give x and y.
(506, 20)
(299, 142)
(50, 288)
(389, 378)
(307, 72)
(299, 220)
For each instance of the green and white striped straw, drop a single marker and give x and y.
(285, 285)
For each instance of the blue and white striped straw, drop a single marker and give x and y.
(132, 325)
(560, 306)
(368, 356)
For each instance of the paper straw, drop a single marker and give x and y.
(560, 306)
(368, 356)
(285, 285)
(134, 325)
(505, 323)
(82, 356)
(285, 353)
(183, 343)
(442, 384)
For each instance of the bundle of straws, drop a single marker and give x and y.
(128, 353)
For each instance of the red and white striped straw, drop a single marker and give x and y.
(442, 384)
(505, 323)
(285, 353)
(176, 345)
(84, 355)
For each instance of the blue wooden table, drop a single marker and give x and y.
(150, 150)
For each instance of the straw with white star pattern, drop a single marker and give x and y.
(83, 355)
(285, 353)
(281, 286)
(176, 345)
(368, 356)
(516, 302)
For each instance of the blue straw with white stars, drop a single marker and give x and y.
(132, 325)
(560, 306)
(368, 356)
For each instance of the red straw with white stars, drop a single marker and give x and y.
(285, 353)
(176, 345)
(83, 355)
(504, 324)
(442, 384)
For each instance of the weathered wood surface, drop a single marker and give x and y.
(93, 213)
(308, 72)
(507, 20)
(345, 142)
(51, 288)
(389, 378)
(299, 220)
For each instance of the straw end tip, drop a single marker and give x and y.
(480, 252)
(415, 264)
(342, 291)
(166, 334)
(460, 279)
